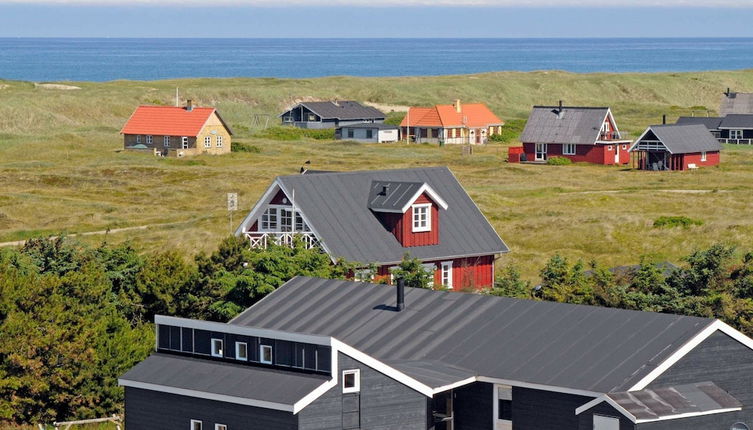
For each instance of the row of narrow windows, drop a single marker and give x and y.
(149, 140)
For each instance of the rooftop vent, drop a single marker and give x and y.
(400, 294)
(189, 105)
(385, 189)
(559, 111)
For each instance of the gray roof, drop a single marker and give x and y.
(711, 122)
(398, 194)
(736, 103)
(684, 139)
(561, 345)
(579, 125)
(664, 402)
(371, 125)
(343, 110)
(336, 206)
(737, 121)
(229, 379)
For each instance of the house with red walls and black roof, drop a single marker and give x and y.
(376, 217)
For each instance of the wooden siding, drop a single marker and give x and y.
(152, 410)
(536, 409)
(474, 406)
(401, 225)
(596, 154)
(468, 274)
(385, 404)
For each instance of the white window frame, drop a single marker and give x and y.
(735, 134)
(703, 155)
(609, 147)
(208, 142)
(540, 150)
(498, 423)
(569, 149)
(357, 381)
(194, 422)
(610, 421)
(218, 139)
(166, 141)
(421, 228)
(220, 427)
(624, 147)
(446, 269)
(286, 214)
(138, 138)
(184, 142)
(149, 139)
(263, 348)
(237, 351)
(213, 350)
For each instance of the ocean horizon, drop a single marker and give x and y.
(107, 59)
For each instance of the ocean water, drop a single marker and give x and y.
(85, 59)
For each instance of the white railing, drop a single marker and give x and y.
(261, 240)
(736, 141)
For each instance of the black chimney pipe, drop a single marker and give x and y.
(385, 188)
(664, 119)
(400, 294)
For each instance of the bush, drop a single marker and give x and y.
(295, 133)
(245, 147)
(558, 161)
(510, 131)
(676, 221)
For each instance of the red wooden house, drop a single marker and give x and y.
(676, 147)
(379, 216)
(582, 134)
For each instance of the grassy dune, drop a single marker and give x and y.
(61, 168)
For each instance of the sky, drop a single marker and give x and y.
(376, 18)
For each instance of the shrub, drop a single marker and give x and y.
(676, 221)
(558, 161)
(245, 147)
(295, 133)
(510, 131)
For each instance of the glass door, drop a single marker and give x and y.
(541, 152)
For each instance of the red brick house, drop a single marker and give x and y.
(378, 216)
(581, 134)
(676, 147)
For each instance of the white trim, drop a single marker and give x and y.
(262, 348)
(291, 197)
(199, 422)
(220, 426)
(357, 381)
(573, 146)
(221, 353)
(237, 344)
(205, 395)
(644, 135)
(542, 387)
(427, 227)
(425, 188)
(442, 266)
(267, 196)
(632, 418)
(236, 329)
(605, 398)
(703, 155)
(689, 415)
(454, 385)
(495, 405)
(310, 397)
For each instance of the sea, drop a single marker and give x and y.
(94, 59)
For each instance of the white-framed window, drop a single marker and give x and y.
(184, 142)
(602, 422)
(286, 219)
(196, 425)
(503, 406)
(703, 156)
(269, 220)
(208, 142)
(624, 147)
(739, 426)
(609, 148)
(220, 427)
(351, 381)
(300, 224)
(421, 217)
(216, 347)
(265, 354)
(219, 141)
(166, 141)
(149, 139)
(430, 268)
(447, 274)
(735, 134)
(138, 138)
(568, 149)
(541, 150)
(241, 351)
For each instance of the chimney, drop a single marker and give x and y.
(664, 119)
(727, 93)
(560, 110)
(458, 107)
(385, 188)
(189, 105)
(400, 294)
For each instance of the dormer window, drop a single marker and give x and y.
(421, 217)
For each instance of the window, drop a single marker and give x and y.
(350, 133)
(503, 403)
(166, 141)
(286, 219)
(241, 351)
(269, 220)
(220, 427)
(149, 140)
(216, 347)
(541, 150)
(138, 138)
(195, 425)
(447, 274)
(208, 142)
(363, 275)
(454, 132)
(369, 134)
(624, 147)
(265, 354)
(184, 142)
(351, 381)
(568, 149)
(606, 423)
(735, 134)
(300, 224)
(421, 217)
(609, 148)
(703, 156)
(219, 141)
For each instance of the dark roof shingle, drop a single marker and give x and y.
(711, 122)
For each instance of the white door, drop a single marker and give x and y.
(606, 423)
(616, 154)
(541, 152)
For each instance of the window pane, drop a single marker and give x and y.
(505, 410)
(349, 380)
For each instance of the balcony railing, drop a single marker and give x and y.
(736, 141)
(610, 136)
(261, 240)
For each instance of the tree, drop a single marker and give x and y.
(412, 271)
(511, 285)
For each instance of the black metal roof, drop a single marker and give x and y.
(336, 206)
(342, 110)
(737, 121)
(560, 345)
(658, 403)
(684, 139)
(227, 379)
(711, 122)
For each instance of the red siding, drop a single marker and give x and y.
(401, 225)
(468, 274)
(596, 154)
(277, 199)
(712, 159)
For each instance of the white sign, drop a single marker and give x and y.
(232, 201)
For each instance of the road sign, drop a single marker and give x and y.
(232, 201)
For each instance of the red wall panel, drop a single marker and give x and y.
(597, 154)
(468, 274)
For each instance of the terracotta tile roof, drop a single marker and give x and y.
(167, 121)
(471, 115)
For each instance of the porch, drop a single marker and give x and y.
(262, 240)
(736, 141)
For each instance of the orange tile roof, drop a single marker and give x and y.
(167, 121)
(471, 115)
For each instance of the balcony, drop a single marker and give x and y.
(610, 136)
(261, 240)
(736, 141)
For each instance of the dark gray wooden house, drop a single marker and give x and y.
(330, 114)
(734, 128)
(328, 354)
(712, 123)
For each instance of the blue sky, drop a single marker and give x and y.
(375, 18)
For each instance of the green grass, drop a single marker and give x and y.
(676, 221)
(62, 168)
